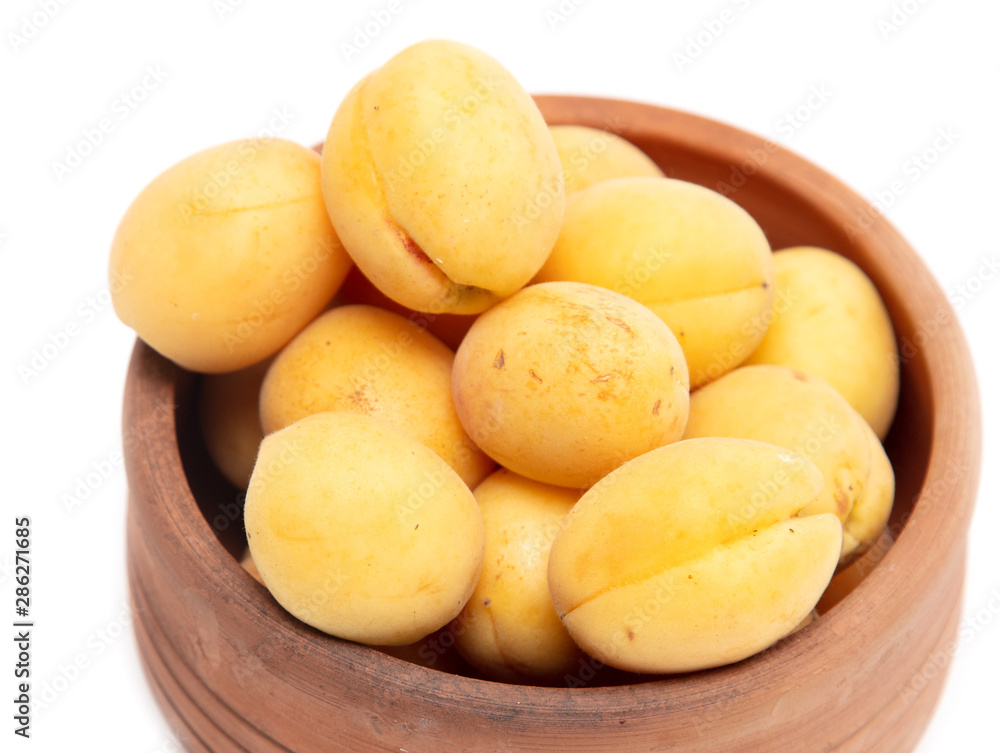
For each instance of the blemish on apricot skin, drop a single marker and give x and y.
(842, 500)
(656, 408)
(411, 245)
(800, 376)
(620, 323)
(630, 635)
(535, 376)
(498, 361)
(602, 378)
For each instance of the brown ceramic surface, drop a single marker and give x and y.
(234, 672)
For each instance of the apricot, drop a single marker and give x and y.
(694, 257)
(693, 556)
(229, 418)
(367, 360)
(224, 257)
(359, 530)
(803, 413)
(590, 155)
(509, 629)
(442, 179)
(829, 320)
(563, 382)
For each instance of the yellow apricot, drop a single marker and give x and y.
(366, 360)
(694, 257)
(442, 179)
(830, 321)
(509, 629)
(224, 257)
(692, 556)
(359, 530)
(229, 418)
(590, 155)
(563, 382)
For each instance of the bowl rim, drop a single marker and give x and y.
(944, 513)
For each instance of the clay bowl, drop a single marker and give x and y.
(234, 672)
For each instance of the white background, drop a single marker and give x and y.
(225, 68)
